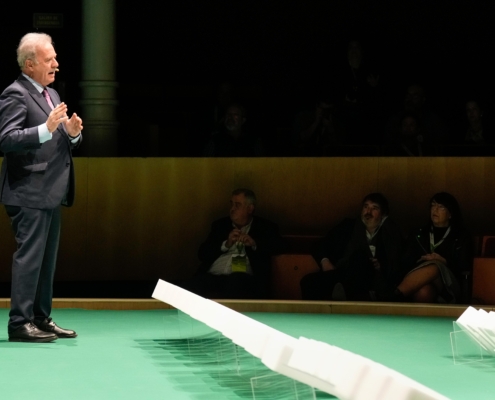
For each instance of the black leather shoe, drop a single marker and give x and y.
(30, 333)
(48, 325)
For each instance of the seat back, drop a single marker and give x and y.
(483, 281)
(488, 246)
(287, 271)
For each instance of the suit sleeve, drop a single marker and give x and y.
(13, 114)
(334, 244)
(210, 249)
(458, 253)
(393, 240)
(268, 240)
(417, 245)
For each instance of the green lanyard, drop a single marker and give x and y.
(434, 245)
(240, 247)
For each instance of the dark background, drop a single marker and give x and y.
(171, 57)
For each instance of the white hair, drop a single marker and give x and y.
(28, 45)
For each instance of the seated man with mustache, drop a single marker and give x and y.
(359, 258)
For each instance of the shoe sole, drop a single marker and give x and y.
(41, 340)
(67, 336)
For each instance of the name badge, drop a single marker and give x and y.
(239, 263)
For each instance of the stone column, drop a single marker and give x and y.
(98, 86)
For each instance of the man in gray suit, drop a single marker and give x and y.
(36, 137)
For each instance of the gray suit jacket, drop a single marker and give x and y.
(33, 175)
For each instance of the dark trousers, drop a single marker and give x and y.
(37, 233)
(357, 278)
(319, 285)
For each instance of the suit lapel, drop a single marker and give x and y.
(41, 101)
(36, 96)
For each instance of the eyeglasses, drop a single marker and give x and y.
(437, 206)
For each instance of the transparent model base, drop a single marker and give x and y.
(199, 344)
(465, 349)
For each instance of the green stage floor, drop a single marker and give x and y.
(138, 355)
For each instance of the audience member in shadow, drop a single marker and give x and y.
(438, 257)
(317, 129)
(433, 130)
(224, 99)
(210, 117)
(236, 255)
(477, 132)
(359, 258)
(409, 141)
(362, 98)
(233, 139)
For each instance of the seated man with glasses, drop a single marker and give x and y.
(236, 255)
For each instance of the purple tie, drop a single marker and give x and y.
(48, 99)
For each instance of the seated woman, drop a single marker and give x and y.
(437, 255)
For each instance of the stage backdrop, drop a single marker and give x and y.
(144, 218)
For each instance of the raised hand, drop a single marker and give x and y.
(56, 116)
(74, 125)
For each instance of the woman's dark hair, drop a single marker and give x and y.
(449, 202)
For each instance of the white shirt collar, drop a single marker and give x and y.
(38, 87)
(245, 228)
(371, 235)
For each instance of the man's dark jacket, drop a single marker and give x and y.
(264, 233)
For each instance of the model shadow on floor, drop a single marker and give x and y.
(210, 365)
